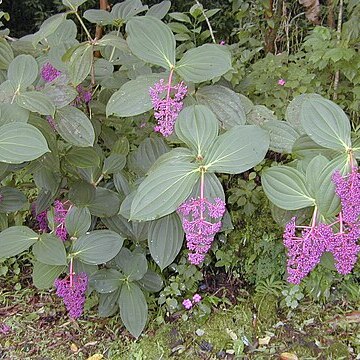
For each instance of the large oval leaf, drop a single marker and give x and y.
(23, 71)
(78, 221)
(204, 63)
(74, 126)
(224, 103)
(133, 97)
(326, 123)
(151, 40)
(50, 250)
(80, 63)
(35, 101)
(97, 247)
(105, 203)
(133, 265)
(197, 127)
(106, 280)
(21, 142)
(133, 308)
(238, 150)
(163, 190)
(44, 275)
(11, 199)
(15, 240)
(286, 188)
(165, 239)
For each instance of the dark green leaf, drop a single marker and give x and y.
(106, 203)
(44, 275)
(114, 163)
(165, 239)
(97, 247)
(50, 250)
(151, 281)
(133, 308)
(133, 265)
(108, 303)
(78, 221)
(15, 240)
(35, 101)
(83, 157)
(106, 280)
(11, 199)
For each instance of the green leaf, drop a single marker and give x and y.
(224, 103)
(106, 280)
(73, 4)
(133, 308)
(98, 247)
(149, 150)
(204, 63)
(282, 135)
(82, 193)
(151, 40)
(133, 97)
(50, 250)
(133, 265)
(235, 152)
(326, 123)
(197, 127)
(127, 9)
(313, 170)
(178, 16)
(49, 26)
(293, 111)
(108, 303)
(13, 113)
(60, 95)
(106, 203)
(165, 239)
(305, 147)
(80, 63)
(83, 157)
(35, 101)
(78, 221)
(286, 188)
(74, 126)
(11, 199)
(15, 240)
(151, 281)
(114, 164)
(6, 54)
(164, 190)
(326, 200)
(21, 142)
(101, 17)
(159, 10)
(45, 275)
(23, 71)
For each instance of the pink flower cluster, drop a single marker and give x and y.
(188, 304)
(167, 106)
(73, 293)
(306, 244)
(49, 73)
(200, 219)
(60, 213)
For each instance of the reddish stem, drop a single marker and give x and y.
(71, 272)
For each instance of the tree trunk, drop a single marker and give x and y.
(271, 33)
(104, 5)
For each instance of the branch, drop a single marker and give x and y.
(207, 21)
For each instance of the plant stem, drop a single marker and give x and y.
(338, 30)
(83, 26)
(202, 186)
(71, 271)
(113, 49)
(207, 22)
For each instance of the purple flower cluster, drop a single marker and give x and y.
(84, 96)
(73, 293)
(167, 107)
(198, 217)
(49, 73)
(348, 190)
(4, 329)
(188, 304)
(60, 213)
(42, 221)
(305, 249)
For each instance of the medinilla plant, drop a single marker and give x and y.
(112, 189)
(324, 179)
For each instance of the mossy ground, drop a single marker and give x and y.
(41, 330)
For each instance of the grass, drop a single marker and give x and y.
(40, 329)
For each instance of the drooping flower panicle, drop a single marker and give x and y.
(167, 101)
(72, 290)
(201, 221)
(306, 244)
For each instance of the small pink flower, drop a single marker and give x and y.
(4, 329)
(187, 304)
(281, 82)
(222, 42)
(197, 298)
